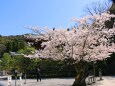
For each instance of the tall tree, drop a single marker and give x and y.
(0, 38)
(2, 49)
(110, 23)
(88, 42)
(112, 9)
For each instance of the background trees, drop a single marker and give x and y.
(112, 9)
(13, 43)
(97, 7)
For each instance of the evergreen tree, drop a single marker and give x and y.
(2, 49)
(5, 61)
(109, 24)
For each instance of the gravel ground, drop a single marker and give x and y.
(44, 82)
(107, 81)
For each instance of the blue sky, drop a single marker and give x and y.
(15, 15)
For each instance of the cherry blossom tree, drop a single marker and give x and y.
(89, 41)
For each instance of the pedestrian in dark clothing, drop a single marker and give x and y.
(38, 73)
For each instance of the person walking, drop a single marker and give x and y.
(38, 73)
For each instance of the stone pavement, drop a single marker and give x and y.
(44, 82)
(107, 81)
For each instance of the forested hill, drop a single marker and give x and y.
(11, 43)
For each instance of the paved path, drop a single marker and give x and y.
(44, 82)
(107, 81)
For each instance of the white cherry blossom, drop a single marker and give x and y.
(89, 41)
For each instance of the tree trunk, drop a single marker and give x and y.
(82, 73)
